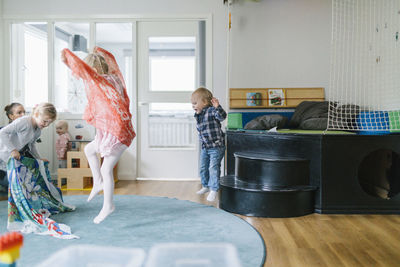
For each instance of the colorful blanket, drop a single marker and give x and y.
(32, 198)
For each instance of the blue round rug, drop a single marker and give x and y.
(141, 222)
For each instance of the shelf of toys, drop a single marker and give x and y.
(78, 174)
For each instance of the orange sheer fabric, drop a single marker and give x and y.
(107, 108)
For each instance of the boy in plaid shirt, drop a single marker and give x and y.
(209, 115)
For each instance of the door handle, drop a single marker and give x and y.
(141, 104)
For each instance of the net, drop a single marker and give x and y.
(364, 92)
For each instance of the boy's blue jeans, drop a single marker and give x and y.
(210, 166)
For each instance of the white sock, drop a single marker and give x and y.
(108, 183)
(212, 196)
(103, 214)
(97, 188)
(202, 191)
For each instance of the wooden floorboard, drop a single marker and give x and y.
(312, 240)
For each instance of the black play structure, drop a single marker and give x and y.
(294, 174)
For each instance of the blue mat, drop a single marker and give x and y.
(141, 222)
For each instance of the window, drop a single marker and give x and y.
(117, 38)
(29, 63)
(172, 63)
(69, 92)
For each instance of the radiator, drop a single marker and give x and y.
(170, 131)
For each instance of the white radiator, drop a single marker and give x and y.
(170, 131)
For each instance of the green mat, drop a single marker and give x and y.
(296, 131)
(394, 121)
(312, 131)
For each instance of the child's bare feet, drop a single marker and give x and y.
(97, 188)
(103, 214)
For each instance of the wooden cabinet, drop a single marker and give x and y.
(78, 173)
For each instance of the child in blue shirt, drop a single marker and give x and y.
(209, 114)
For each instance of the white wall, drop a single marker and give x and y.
(280, 43)
(274, 43)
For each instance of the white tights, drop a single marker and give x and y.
(103, 178)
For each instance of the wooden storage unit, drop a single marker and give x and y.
(78, 173)
(273, 97)
(77, 178)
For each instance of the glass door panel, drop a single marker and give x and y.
(167, 75)
(172, 63)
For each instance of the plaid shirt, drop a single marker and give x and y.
(209, 126)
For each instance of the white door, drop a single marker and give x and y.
(168, 72)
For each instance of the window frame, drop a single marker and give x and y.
(134, 19)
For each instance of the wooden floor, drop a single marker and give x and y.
(313, 240)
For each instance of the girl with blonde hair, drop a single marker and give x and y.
(108, 111)
(32, 196)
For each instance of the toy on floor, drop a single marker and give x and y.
(10, 245)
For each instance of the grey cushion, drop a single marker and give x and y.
(307, 110)
(314, 124)
(266, 122)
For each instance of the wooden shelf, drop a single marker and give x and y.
(78, 173)
(272, 97)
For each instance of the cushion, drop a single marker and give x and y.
(266, 122)
(314, 124)
(307, 110)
